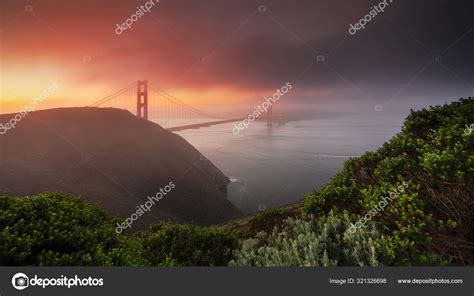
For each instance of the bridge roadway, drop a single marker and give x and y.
(208, 124)
(199, 125)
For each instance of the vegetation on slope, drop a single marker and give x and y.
(187, 245)
(430, 221)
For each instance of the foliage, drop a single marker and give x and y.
(267, 220)
(187, 245)
(308, 241)
(54, 229)
(432, 221)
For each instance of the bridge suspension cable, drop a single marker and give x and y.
(162, 108)
(181, 104)
(112, 96)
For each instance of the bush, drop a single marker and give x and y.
(267, 220)
(178, 244)
(54, 229)
(314, 242)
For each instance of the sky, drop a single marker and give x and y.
(230, 54)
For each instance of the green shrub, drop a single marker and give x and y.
(54, 229)
(267, 220)
(314, 242)
(187, 245)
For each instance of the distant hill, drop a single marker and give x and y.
(114, 160)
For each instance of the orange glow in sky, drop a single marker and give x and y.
(51, 44)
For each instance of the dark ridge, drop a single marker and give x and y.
(114, 160)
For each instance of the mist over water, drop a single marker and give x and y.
(271, 167)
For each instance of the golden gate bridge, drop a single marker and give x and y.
(152, 103)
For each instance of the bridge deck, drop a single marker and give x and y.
(211, 123)
(199, 125)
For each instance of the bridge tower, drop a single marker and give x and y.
(270, 116)
(142, 99)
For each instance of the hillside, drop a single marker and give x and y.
(408, 203)
(115, 161)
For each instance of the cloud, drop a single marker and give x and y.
(199, 45)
